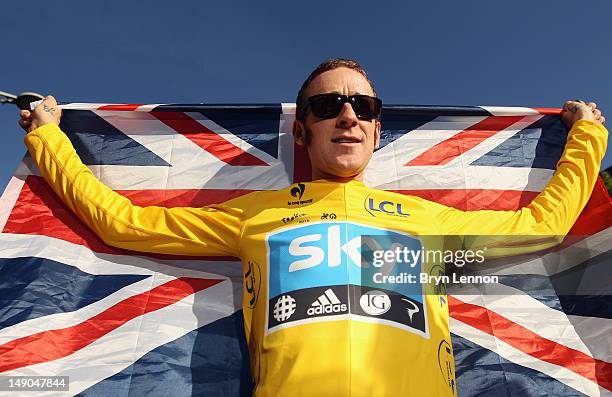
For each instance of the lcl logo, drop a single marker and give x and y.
(387, 207)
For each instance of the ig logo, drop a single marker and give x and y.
(375, 302)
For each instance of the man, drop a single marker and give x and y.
(314, 324)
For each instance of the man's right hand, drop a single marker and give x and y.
(47, 112)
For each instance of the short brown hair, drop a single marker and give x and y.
(300, 111)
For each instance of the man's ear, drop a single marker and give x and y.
(377, 134)
(299, 132)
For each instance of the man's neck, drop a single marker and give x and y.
(336, 178)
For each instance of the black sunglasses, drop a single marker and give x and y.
(327, 106)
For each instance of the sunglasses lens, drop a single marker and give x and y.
(366, 107)
(326, 105)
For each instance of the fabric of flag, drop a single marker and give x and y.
(124, 323)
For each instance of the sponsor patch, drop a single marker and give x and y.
(375, 207)
(445, 363)
(297, 192)
(252, 283)
(327, 270)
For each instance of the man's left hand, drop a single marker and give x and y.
(580, 110)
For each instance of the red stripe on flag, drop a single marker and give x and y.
(531, 343)
(38, 211)
(125, 106)
(597, 214)
(548, 110)
(208, 140)
(465, 140)
(58, 343)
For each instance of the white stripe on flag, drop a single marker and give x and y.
(68, 319)
(444, 177)
(227, 135)
(191, 166)
(120, 348)
(387, 164)
(514, 355)
(595, 333)
(492, 142)
(83, 106)
(20, 245)
(558, 261)
(149, 107)
(386, 170)
(288, 108)
(509, 111)
(527, 312)
(9, 198)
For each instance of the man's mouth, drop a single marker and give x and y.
(346, 139)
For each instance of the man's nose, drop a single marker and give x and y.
(347, 117)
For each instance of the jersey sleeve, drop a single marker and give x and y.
(212, 230)
(553, 212)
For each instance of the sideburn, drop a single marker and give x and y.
(307, 135)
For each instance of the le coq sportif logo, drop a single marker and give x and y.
(298, 191)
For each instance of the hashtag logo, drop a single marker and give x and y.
(284, 308)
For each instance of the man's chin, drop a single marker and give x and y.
(346, 171)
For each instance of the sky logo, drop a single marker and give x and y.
(324, 254)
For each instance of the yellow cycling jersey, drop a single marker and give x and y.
(315, 323)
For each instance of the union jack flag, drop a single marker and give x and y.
(124, 323)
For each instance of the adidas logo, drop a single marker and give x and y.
(326, 303)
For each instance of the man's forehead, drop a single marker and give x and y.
(340, 80)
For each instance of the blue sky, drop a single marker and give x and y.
(519, 53)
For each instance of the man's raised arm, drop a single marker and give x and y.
(554, 211)
(211, 230)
